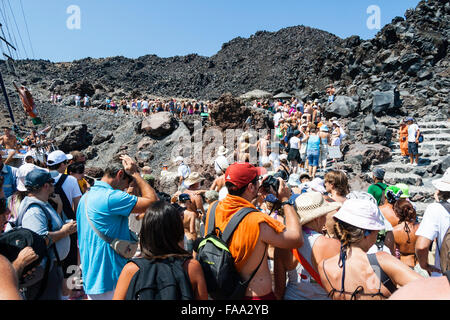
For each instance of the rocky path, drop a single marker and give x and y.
(433, 159)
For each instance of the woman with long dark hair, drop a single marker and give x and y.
(161, 238)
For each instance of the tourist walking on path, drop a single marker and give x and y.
(108, 208)
(313, 150)
(325, 139)
(403, 138)
(413, 141)
(354, 274)
(300, 264)
(294, 150)
(434, 225)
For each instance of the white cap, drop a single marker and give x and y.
(30, 154)
(179, 158)
(361, 213)
(56, 157)
(294, 180)
(22, 173)
(283, 156)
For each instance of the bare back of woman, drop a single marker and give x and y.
(406, 241)
(360, 281)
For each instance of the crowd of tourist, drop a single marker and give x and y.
(306, 235)
(303, 234)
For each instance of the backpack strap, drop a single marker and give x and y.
(234, 222)
(67, 208)
(212, 218)
(446, 205)
(101, 235)
(384, 278)
(18, 223)
(307, 266)
(376, 184)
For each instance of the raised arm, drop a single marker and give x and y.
(148, 194)
(292, 235)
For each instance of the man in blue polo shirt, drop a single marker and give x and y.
(108, 208)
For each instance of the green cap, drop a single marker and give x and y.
(394, 189)
(405, 189)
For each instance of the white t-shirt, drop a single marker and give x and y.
(184, 171)
(70, 188)
(276, 118)
(434, 225)
(263, 160)
(220, 160)
(294, 143)
(275, 159)
(144, 104)
(412, 129)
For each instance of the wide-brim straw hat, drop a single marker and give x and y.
(193, 178)
(222, 151)
(312, 205)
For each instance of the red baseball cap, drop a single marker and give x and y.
(240, 174)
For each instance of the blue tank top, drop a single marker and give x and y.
(313, 143)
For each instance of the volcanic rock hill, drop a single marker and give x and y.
(409, 55)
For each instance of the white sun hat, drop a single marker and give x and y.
(361, 213)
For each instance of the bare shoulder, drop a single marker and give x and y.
(193, 268)
(130, 269)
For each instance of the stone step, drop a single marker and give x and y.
(406, 168)
(437, 131)
(425, 153)
(409, 178)
(398, 158)
(429, 138)
(426, 144)
(437, 124)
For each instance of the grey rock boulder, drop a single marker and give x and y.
(160, 124)
(364, 156)
(70, 136)
(343, 106)
(385, 101)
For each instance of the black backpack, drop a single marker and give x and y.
(13, 241)
(160, 279)
(222, 279)
(444, 250)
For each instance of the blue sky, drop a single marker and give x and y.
(133, 28)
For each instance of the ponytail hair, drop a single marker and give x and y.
(405, 212)
(347, 234)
